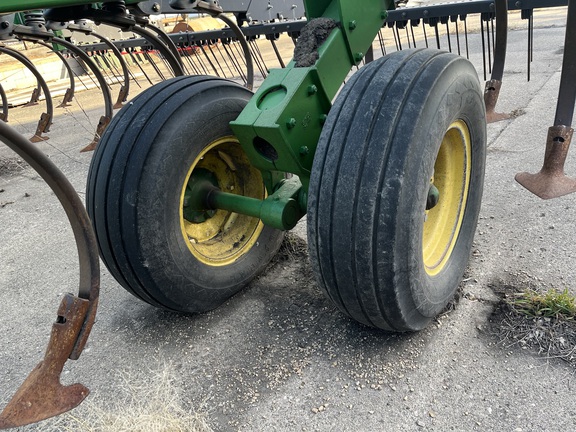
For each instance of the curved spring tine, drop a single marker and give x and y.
(173, 60)
(166, 40)
(46, 118)
(69, 95)
(42, 395)
(108, 109)
(125, 88)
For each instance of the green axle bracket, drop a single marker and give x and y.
(280, 127)
(281, 210)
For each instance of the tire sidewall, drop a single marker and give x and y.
(453, 96)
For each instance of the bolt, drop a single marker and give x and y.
(352, 25)
(156, 7)
(304, 151)
(291, 124)
(312, 90)
(5, 25)
(323, 119)
(358, 57)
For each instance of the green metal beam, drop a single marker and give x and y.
(10, 6)
(280, 127)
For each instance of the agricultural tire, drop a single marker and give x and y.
(396, 187)
(154, 237)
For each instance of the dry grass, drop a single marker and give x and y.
(151, 404)
(292, 248)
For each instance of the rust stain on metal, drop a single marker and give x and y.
(42, 395)
(551, 181)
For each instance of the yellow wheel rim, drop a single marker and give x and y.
(219, 237)
(452, 179)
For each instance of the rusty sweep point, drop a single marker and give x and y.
(551, 182)
(102, 124)
(43, 126)
(491, 93)
(42, 395)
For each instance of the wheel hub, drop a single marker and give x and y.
(200, 183)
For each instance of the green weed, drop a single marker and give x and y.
(549, 304)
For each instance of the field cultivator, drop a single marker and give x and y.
(194, 182)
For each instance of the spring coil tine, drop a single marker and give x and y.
(211, 49)
(454, 19)
(172, 59)
(412, 31)
(255, 56)
(137, 63)
(200, 59)
(448, 35)
(209, 61)
(408, 36)
(149, 59)
(235, 62)
(278, 56)
(256, 59)
(381, 41)
(489, 46)
(169, 43)
(224, 59)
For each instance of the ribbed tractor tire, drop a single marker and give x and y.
(396, 187)
(152, 235)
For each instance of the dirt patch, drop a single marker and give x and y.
(313, 35)
(551, 337)
(11, 166)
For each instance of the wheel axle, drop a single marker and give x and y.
(281, 210)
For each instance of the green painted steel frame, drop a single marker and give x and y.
(10, 6)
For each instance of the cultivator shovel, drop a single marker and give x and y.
(42, 395)
(551, 181)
